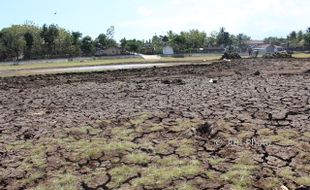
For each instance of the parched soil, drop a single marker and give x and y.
(159, 128)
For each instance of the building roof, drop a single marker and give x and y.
(255, 42)
(263, 46)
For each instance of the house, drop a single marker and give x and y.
(265, 48)
(168, 50)
(254, 43)
(108, 51)
(279, 48)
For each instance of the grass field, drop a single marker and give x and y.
(6, 67)
(301, 55)
(22, 68)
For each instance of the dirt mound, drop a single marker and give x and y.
(277, 55)
(230, 56)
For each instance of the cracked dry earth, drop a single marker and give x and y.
(159, 128)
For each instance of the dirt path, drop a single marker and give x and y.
(159, 128)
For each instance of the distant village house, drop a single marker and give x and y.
(108, 51)
(268, 48)
(262, 48)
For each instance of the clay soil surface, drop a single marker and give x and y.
(159, 128)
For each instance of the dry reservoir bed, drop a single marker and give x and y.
(159, 128)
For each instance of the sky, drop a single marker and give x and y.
(141, 19)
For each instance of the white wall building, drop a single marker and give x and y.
(168, 50)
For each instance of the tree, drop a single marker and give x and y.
(123, 42)
(132, 45)
(275, 40)
(63, 44)
(49, 35)
(76, 37)
(34, 42)
(185, 41)
(212, 39)
(241, 40)
(194, 39)
(87, 46)
(223, 37)
(12, 41)
(29, 43)
(165, 39)
(292, 40)
(300, 35)
(307, 38)
(157, 43)
(110, 32)
(101, 41)
(76, 40)
(111, 43)
(110, 37)
(104, 41)
(178, 42)
(292, 35)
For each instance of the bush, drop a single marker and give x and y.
(277, 55)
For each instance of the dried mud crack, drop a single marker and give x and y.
(159, 128)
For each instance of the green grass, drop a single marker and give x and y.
(215, 161)
(160, 176)
(303, 180)
(271, 183)
(65, 181)
(138, 158)
(85, 149)
(239, 176)
(286, 173)
(186, 186)
(284, 137)
(122, 173)
(301, 55)
(307, 134)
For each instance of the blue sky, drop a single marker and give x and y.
(141, 19)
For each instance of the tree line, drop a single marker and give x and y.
(29, 41)
(294, 40)
(186, 41)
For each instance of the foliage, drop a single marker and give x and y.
(87, 45)
(29, 41)
(49, 35)
(275, 40)
(131, 45)
(223, 38)
(299, 40)
(12, 42)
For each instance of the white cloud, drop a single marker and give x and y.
(258, 18)
(144, 11)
